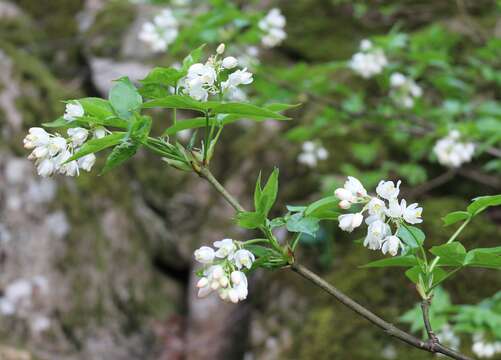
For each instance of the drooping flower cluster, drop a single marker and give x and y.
(161, 32)
(223, 270)
(312, 153)
(369, 61)
(203, 80)
(384, 212)
(484, 349)
(51, 152)
(20, 298)
(273, 25)
(452, 152)
(404, 90)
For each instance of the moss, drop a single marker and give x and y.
(105, 35)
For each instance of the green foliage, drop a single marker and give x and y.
(125, 99)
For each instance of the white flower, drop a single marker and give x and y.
(387, 189)
(160, 33)
(229, 62)
(36, 137)
(355, 187)
(239, 290)
(205, 74)
(344, 195)
(243, 258)
(312, 153)
(395, 210)
(225, 248)
(376, 207)
(220, 49)
(205, 255)
(412, 213)
(99, 132)
(73, 111)
(348, 222)
(273, 25)
(87, 162)
(371, 61)
(376, 232)
(239, 77)
(397, 79)
(453, 153)
(56, 145)
(391, 244)
(484, 349)
(78, 135)
(365, 45)
(46, 167)
(344, 204)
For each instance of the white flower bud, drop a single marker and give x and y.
(220, 49)
(344, 204)
(229, 62)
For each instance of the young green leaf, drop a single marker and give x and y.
(484, 257)
(299, 224)
(176, 102)
(95, 145)
(454, 217)
(119, 155)
(479, 204)
(396, 261)
(125, 99)
(97, 107)
(245, 110)
(454, 253)
(268, 194)
(163, 76)
(411, 236)
(320, 206)
(250, 219)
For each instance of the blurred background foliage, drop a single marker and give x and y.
(120, 273)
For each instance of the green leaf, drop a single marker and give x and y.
(413, 273)
(454, 253)
(479, 204)
(141, 128)
(194, 57)
(250, 219)
(268, 194)
(125, 99)
(397, 261)
(484, 257)
(95, 145)
(97, 107)
(119, 155)
(176, 102)
(454, 217)
(411, 236)
(300, 224)
(281, 107)
(163, 76)
(244, 110)
(321, 206)
(257, 192)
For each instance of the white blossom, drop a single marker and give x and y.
(312, 153)
(205, 255)
(36, 137)
(73, 111)
(239, 77)
(369, 61)
(452, 152)
(229, 62)
(160, 33)
(99, 132)
(484, 349)
(225, 248)
(220, 49)
(348, 222)
(273, 25)
(87, 162)
(78, 135)
(404, 90)
(387, 189)
(412, 213)
(376, 232)
(391, 244)
(243, 258)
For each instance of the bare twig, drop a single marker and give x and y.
(389, 328)
(425, 308)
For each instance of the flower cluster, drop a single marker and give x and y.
(20, 298)
(223, 270)
(51, 152)
(273, 25)
(161, 32)
(369, 61)
(384, 210)
(404, 90)
(453, 153)
(205, 79)
(312, 153)
(484, 349)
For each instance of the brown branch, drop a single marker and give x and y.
(389, 328)
(425, 308)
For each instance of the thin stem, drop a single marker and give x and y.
(451, 239)
(255, 241)
(295, 242)
(425, 308)
(207, 135)
(389, 328)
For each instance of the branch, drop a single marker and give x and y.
(425, 308)
(390, 329)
